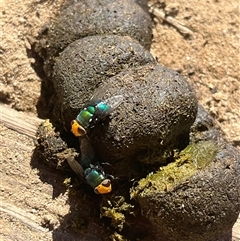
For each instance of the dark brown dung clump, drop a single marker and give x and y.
(178, 178)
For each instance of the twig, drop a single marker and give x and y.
(177, 24)
(20, 214)
(19, 121)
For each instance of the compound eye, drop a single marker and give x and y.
(77, 129)
(106, 183)
(81, 131)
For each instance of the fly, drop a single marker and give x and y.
(98, 108)
(93, 175)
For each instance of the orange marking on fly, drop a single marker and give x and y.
(104, 188)
(77, 129)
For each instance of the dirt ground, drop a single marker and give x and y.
(200, 39)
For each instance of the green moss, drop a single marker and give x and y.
(67, 182)
(199, 154)
(117, 237)
(116, 210)
(194, 157)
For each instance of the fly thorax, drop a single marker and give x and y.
(93, 177)
(85, 116)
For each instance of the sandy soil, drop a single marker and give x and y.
(206, 52)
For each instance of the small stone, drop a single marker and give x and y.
(218, 96)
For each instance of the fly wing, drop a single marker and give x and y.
(114, 101)
(109, 105)
(75, 165)
(105, 103)
(100, 93)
